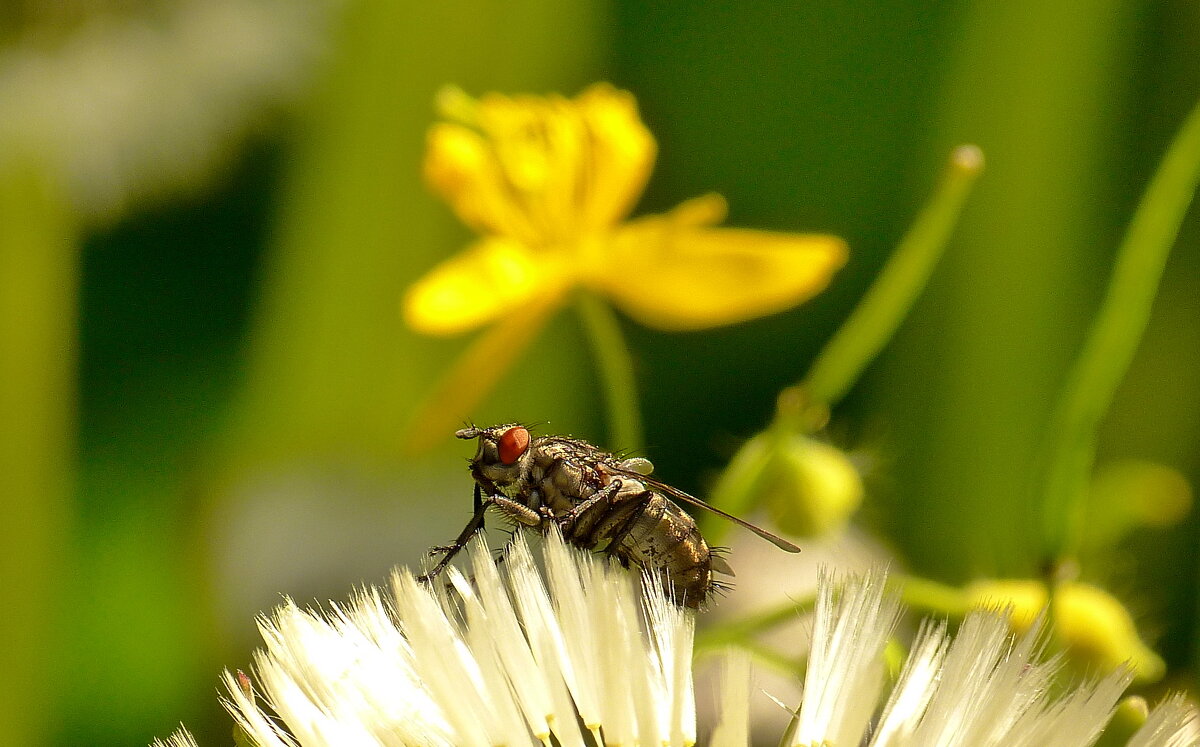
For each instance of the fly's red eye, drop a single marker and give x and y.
(512, 444)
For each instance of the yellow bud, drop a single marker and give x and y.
(812, 488)
(1095, 629)
(1130, 494)
(1130, 715)
(1025, 597)
(1099, 629)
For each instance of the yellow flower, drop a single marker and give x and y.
(548, 182)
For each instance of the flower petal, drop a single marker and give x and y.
(461, 166)
(543, 170)
(678, 277)
(623, 152)
(479, 285)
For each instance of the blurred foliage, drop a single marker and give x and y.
(243, 372)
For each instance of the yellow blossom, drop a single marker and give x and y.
(548, 183)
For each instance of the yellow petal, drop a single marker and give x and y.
(460, 165)
(677, 277)
(1099, 630)
(698, 212)
(623, 152)
(473, 375)
(543, 170)
(483, 283)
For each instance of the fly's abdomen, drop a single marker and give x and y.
(665, 540)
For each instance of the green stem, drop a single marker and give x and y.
(38, 281)
(930, 596)
(739, 632)
(1113, 338)
(780, 662)
(615, 366)
(789, 666)
(888, 300)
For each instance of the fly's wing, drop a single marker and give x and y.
(692, 500)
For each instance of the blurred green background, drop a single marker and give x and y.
(209, 212)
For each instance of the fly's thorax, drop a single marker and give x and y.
(566, 472)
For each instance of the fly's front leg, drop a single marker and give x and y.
(449, 551)
(519, 513)
(534, 514)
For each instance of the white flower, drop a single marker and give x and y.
(574, 656)
(179, 739)
(1175, 723)
(509, 659)
(980, 688)
(133, 107)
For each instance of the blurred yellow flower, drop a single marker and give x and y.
(548, 182)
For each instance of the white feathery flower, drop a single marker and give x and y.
(980, 688)
(1174, 723)
(575, 656)
(180, 738)
(915, 687)
(845, 665)
(513, 657)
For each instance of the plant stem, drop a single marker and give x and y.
(38, 282)
(930, 596)
(1113, 339)
(615, 367)
(738, 632)
(889, 298)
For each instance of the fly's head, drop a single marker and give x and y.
(502, 456)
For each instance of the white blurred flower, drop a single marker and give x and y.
(129, 108)
(1175, 723)
(574, 656)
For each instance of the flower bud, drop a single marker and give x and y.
(1131, 494)
(1095, 629)
(812, 488)
(807, 486)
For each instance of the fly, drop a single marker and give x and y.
(598, 501)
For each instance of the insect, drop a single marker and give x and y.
(598, 501)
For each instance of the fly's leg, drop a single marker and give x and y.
(534, 514)
(449, 551)
(637, 505)
(517, 512)
(569, 523)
